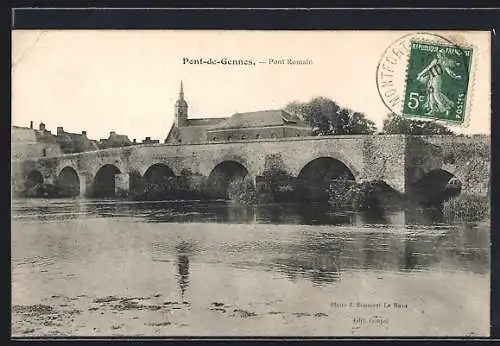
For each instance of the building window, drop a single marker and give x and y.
(243, 137)
(44, 152)
(214, 138)
(257, 136)
(180, 141)
(298, 134)
(229, 138)
(273, 135)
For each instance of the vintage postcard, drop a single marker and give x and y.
(250, 183)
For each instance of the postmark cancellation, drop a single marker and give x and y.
(429, 77)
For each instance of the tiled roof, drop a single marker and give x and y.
(259, 119)
(173, 134)
(187, 134)
(204, 121)
(120, 138)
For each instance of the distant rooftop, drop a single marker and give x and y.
(273, 117)
(204, 121)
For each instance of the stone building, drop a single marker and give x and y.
(148, 140)
(74, 142)
(114, 141)
(28, 142)
(240, 126)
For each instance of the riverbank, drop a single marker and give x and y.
(289, 315)
(467, 208)
(279, 189)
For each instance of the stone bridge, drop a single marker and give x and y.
(401, 161)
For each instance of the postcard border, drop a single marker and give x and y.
(295, 19)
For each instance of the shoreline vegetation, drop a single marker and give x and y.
(326, 118)
(278, 187)
(466, 208)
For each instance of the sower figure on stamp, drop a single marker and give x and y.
(432, 77)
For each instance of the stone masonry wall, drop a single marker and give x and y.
(368, 157)
(469, 159)
(421, 158)
(384, 159)
(25, 151)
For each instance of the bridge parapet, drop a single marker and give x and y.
(397, 159)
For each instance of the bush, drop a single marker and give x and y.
(466, 208)
(276, 186)
(172, 188)
(242, 190)
(339, 193)
(363, 196)
(42, 190)
(207, 190)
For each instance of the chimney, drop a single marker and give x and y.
(31, 124)
(112, 133)
(60, 130)
(41, 127)
(135, 141)
(84, 133)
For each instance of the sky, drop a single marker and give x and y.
(128, 81)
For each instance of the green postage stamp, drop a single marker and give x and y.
(437, 82)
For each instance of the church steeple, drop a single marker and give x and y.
(181, 92)
(181, 109)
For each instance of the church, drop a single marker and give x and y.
(263, 124)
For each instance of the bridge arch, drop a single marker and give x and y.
(141, 166)
(334, 168)
(303, 160)
(435, 187)
(158, 177)
(223, 174)
(158, 173)
(316, 176)
(104, 181)
(68, 182)
(33, 178)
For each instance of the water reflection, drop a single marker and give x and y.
(181, 253)
(323, 257)
(219, 211)
(183, 250)
(289, 260)
(316, 258)
(379, 216)
(319, 244)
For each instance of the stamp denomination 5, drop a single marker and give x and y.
(427, 76)
(437, 81)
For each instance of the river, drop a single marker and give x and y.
(84, 267)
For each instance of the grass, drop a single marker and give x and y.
(466, 208)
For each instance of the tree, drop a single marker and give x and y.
(326, 117)
(396, 124)
(359, 124)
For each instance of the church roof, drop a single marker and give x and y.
(259, 119)
(187, 134)
(204, 121)
(181, 102)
